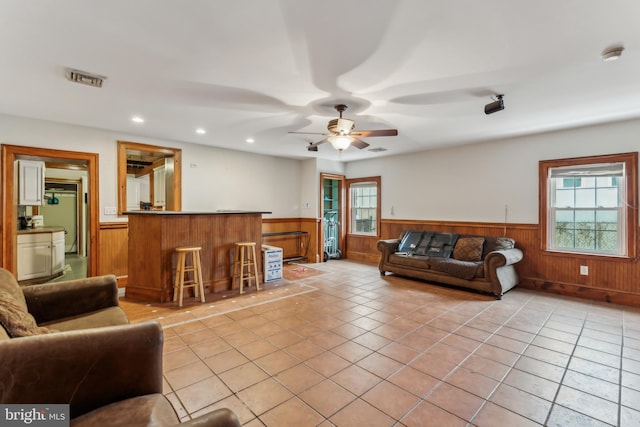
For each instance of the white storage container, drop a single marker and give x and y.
(271, 263)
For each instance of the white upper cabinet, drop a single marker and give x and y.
(30, 183)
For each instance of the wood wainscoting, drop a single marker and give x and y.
(290, 244)
(114, 241)
(113, 250)
(610, 279)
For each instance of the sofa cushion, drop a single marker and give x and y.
(9, 284)
(16, 321)
(468, 249)
(439, 245)
(409, 261)
(111, 316)
(497, 243)
(467, 270)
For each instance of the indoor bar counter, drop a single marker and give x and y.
(154, 236)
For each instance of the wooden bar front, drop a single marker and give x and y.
(154, 235)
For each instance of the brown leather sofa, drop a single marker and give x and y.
(481, 263)
(82, 351)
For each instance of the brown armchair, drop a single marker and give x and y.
(109, 375)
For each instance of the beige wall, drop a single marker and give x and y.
(475, 182)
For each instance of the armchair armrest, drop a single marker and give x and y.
(52, 301)
(86, 368)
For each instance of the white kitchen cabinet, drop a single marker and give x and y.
(159, 187)
(34, 255)
(40, 254)
(133, 194)
(30, 183)
(57, 251)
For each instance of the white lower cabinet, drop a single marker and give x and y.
(57, 252)
(40, 254)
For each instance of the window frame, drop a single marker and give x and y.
(350, 208)
(630, 201)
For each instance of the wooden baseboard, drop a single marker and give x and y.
(578, 291)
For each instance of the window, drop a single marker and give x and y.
(364, 205)
(587, 205)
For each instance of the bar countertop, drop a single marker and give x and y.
(218, 212)
(36, 230)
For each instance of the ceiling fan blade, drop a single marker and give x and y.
(308, 133)
(314, 146)
(358, 143)
(369, 133)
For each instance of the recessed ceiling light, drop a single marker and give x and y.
(612, 53)
(201, 131)
(137, 119)
(250, 140)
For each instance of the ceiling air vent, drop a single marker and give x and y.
(377, 150)
(84, 78)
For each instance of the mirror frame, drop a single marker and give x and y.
(176, 153)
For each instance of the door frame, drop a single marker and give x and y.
(342, 229)
(8, 211)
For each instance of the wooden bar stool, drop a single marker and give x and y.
(245, 262)
(182, 268)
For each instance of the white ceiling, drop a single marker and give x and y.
(261, 68)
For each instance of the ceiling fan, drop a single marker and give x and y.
(341, 134)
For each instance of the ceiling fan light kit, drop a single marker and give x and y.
(340, 142)
(341, 134)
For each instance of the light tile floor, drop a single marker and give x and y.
(352, 348)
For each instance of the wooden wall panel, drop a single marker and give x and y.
(288, 243)
(610, 279)
(113, 250)
(362, 248)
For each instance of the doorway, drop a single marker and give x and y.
(332, 198)
(54, 159)
(64, 207)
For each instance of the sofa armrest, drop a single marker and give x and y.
(87, 369)
(502, 257)
(52, 301)
(498, 267)
(219, 418)
(386, 248)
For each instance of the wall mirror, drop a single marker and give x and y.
(149, 177)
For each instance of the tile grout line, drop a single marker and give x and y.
(184, 322)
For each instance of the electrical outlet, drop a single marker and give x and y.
(584, 270)
(110, 211)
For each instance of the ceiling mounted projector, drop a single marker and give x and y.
(494, 106)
